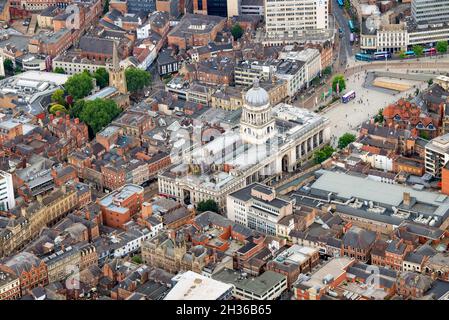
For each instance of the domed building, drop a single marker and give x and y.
(256, 123)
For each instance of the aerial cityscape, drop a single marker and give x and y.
(224, 150)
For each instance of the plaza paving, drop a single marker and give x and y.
(347, 117)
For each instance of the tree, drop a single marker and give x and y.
(137, 259)
(8, 65)
(98, 113)
(237, 31)
(424, 135)
(441, 46)
(327, 70)
(379, 117)
(345, 140)
(347, 5)
(402, 54)
(102, 77)
(59, 70)
(207, 205)
(430, 82)
(418, 50)
(58, 97)
(77, 108)
(321, 155)
(79, 85)
(137, 79)
(57, 107)
(106, 7)
(340, 79)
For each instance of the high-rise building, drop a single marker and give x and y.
(290, 17)
(211, 7)
(7, 201)
(430, 12)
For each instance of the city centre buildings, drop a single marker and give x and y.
(268, 141)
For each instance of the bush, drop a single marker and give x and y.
(57, 107)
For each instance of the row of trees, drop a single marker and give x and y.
(418, 50)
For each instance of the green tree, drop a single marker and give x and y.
(347, 5)
(237, 31)
(418, 50)
(102, 77)
(57, 107)
(441, 46)
(137, 79)
(379, 117)
(137, 259)
(79, 85)
(8, 65)
(327, 70)
(106, 7)
(207, 205)
(59, 70)
(402, 54)
(99, 113)
(321, 155)
(345, 140)
(424, 135)
(58, 97)
(430, 82)
(77, 108)
(340, 79)
(18, 70)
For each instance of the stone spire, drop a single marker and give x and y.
(115, 59)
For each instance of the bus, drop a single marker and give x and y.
(382, 55)
(348, 96)
(351, 25)
(363, 57)
(340, 3)
(430, 51)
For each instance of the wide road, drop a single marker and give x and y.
(415, 64)
(344, 45)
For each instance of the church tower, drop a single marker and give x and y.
(257, 125)
(117, 77)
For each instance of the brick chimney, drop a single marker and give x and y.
(77, 120)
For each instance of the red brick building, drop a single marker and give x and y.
(119, 206)
(195, 30)
(31, 270)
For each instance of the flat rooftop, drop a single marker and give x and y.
(346, 186)
(193, 286)
(257, 285)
